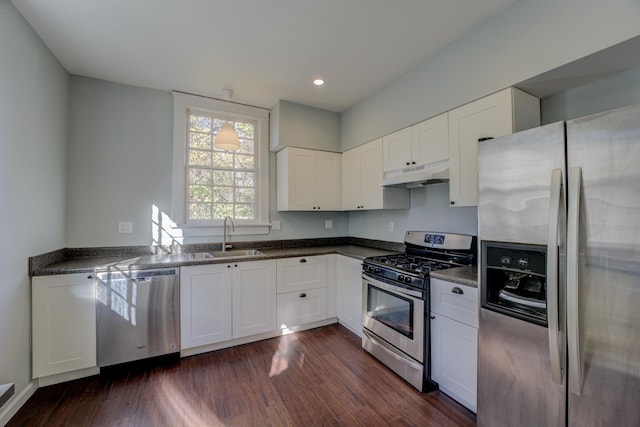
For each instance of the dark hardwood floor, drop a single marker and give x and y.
(319, 377)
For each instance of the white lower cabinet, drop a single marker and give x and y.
(302, 290)
(298, 308)
(220, 302)
(254, 298)
(454, 340)
(63, 323)
(349, 275)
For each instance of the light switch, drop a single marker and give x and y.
(391, 226)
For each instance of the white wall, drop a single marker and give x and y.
(33, 117)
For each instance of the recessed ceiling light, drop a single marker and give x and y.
(318, 82)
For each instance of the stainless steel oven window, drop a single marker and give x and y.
(392, 310)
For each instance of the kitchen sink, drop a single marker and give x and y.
(236, 253)
(188, 256)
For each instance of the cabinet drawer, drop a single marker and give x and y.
(298, 308)
(302, 273)
(447, 300)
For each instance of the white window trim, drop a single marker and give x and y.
(181, 103)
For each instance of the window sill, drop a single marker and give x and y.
(240, 230)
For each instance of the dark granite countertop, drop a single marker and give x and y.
(467, 276)
(109, 259)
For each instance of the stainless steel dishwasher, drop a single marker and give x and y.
(138, 314)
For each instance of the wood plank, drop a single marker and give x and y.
(316, 377)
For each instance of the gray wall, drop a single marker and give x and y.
(33, 117)
(605, 94)
(527, 39)
(119, 167)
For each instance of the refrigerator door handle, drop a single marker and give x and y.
(573, 297)
(556, 345)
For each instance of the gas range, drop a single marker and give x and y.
(425, 252)
(395, 297)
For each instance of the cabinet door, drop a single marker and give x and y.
(327, 180)
(349, 273)
(488, 117)
(371, 175)
(301, 179)
(351, 179)
(205, 305)
(454, 363)
(430, 140)
(64, 323)
(254, 298)
(396, 149)
(299, 308)
(299, 274)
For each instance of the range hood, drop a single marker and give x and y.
(417, 176)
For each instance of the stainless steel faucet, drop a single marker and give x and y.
(224, 233)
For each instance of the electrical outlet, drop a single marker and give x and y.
(328, 223)
(391, 225)
(275, 225)
(125, 227)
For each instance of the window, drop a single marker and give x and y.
(211, 184)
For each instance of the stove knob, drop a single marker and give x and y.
(377, 270)
(370, 269)
(407, 279)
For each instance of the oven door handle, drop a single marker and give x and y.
(393, 289)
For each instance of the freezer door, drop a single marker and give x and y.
(514, 181)
(515, 387)
(604, 300)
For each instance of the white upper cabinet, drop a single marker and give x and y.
(309, 180)
(502, 113)
(397, 150)
(361, 176)
(430, 140)
(423, 143)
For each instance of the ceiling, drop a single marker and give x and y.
(263, 50)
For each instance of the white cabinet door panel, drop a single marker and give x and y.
(63, 323)
(254, 298)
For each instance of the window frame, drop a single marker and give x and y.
(182, 103)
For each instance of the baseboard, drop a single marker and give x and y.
(15, 403)
(245, 340)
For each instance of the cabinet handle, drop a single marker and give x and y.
(408, 163)
(303, 295)
(457, 290)
(229, 266)
(452, 202)
(413, 163)
(432, 317)
(90, 277)
(302, 261)
(486, 138)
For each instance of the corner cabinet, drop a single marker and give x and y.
(220, 302)
(63, 323)
(302, 290)
(308, 180)
(502, 113)
(454, 340)
(361, 176)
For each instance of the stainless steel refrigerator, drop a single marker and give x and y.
(559, 229)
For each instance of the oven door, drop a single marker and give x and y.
(394, 314)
